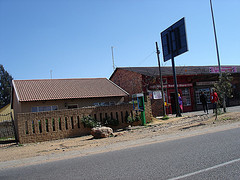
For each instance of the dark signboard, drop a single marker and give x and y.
(174, 40)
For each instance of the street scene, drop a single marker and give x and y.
(119, 89)
(19, 160)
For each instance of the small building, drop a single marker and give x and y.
(49, 109)
(57, 94)
(190, 79)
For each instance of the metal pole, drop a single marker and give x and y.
(178, 112)
(160, 74)
(219, 65)
(215, 35)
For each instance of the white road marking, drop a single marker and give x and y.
(204, 170)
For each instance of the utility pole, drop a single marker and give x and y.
(218, 58)
(160, 75)
(215, 35)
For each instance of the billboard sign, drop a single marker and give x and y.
(174, 40)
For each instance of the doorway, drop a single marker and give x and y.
(173, 102)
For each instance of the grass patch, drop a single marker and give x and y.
(7, 138)
(165, 117)
(224, 118)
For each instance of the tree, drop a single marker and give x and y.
(224, 88)
(5, 87)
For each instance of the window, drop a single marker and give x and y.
(44, 108)
(104, 104)
(198, 93)
(111, 103)
(34, 109)
(186, 97)
(54, 108)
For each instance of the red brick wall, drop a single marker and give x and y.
(135, 83)
(157, 107)
(129, 81)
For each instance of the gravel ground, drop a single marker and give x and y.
(190, 124)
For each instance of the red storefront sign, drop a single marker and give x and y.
(170, 86)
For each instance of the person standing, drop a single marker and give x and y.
(203, 99)
(180, 102)
(214, 99)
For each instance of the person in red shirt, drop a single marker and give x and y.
(214, 99)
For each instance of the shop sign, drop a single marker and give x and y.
(170, 86)
(229, 69)
(207, 83)
(157, 95)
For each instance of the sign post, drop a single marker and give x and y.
(174, 43)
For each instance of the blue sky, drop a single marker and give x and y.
(73, 38)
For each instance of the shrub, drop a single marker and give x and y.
(137, 118)
(89, 122)
(110, 121)
(129, 119)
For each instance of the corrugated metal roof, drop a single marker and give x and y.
(55, 89)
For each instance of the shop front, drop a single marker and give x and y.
(186, 93)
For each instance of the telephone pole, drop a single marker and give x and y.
(216, 43)
(218, 58)
(161, 82)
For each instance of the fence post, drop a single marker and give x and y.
(14, 128)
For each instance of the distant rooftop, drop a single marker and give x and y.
(181, 70)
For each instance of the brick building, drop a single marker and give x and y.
(43, 107)
(56, 94)
(190, 79)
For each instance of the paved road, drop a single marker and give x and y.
(208, 156)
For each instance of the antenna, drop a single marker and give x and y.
(113, 58)
(51, 74)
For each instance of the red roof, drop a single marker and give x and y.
(53, 89)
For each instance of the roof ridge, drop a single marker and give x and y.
(177, 66)
(58, 79)
(118, 86)
(14, 87)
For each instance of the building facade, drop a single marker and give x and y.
(191, 80)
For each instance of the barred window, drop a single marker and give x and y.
(186, 97)
(198, 93)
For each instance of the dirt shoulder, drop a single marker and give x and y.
(158, 130)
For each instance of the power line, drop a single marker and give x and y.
(147, 57)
